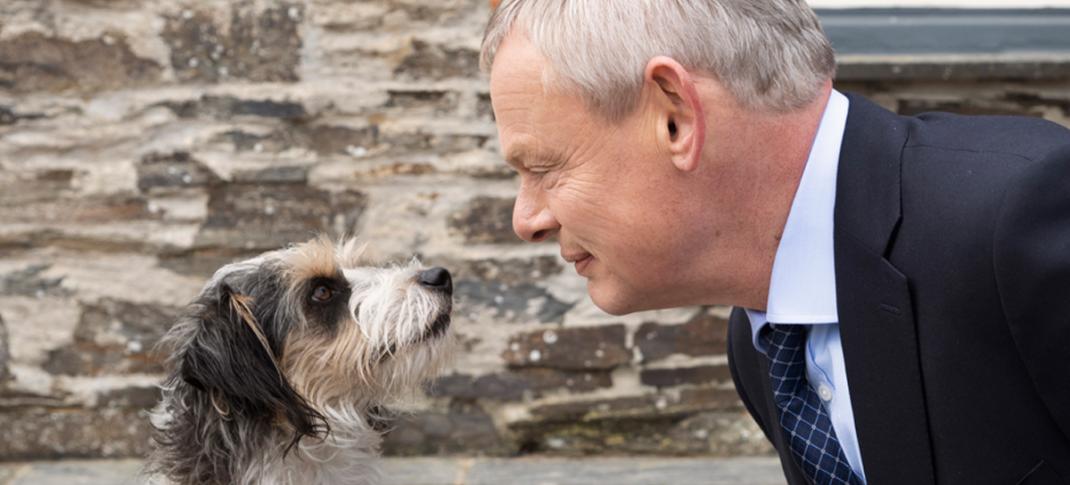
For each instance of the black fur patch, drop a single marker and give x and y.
(326, 314)
(236, 393)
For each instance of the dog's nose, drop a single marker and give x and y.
(437, 279)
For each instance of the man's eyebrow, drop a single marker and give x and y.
(518, 155)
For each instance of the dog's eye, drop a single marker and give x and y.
(322, 294)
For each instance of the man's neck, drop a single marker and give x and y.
(785, 153)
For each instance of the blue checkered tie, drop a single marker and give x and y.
(802, 415)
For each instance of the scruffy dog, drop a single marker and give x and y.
(280, 368)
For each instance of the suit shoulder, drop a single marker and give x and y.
(1024, 137)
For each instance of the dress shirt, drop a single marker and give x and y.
(802, 288)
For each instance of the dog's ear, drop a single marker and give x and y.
(233, 361)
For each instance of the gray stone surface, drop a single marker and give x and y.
(943, 30)
(460, 471)
(626, 471)
(74, 472)
(955, 68)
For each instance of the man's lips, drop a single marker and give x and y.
(580, 259)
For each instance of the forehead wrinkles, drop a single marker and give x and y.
(518, 115)
(539, 129)
(521, 95)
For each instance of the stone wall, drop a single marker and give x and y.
(143, 143)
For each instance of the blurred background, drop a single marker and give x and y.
(144, 143)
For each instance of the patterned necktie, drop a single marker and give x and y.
(802, 415)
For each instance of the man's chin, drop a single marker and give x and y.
(618, 301)
(612, 300)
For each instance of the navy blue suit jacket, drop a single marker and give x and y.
(952, 254)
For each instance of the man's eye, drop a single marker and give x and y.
(322, 294)
(539, 170)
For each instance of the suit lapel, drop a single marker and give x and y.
(877, 327)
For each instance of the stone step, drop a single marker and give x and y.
(460, 471)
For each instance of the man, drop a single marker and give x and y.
(902, 284)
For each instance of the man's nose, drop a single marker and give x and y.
(532, 219)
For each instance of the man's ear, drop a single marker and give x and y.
(231, 361)
(679, 117)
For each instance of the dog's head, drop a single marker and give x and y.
(287, 336)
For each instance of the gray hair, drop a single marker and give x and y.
(770, 54)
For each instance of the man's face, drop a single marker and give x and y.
(608, 191)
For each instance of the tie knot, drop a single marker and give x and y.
(785, 345)
(781, 339)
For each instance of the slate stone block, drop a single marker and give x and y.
(465, 428)
(228, 107)
(699, 375)
(515, 385)
(486, 220)
(34, 62)
(176, 170)
(269, 216)
(37, 433)
(29, 282)
(703, 335)
(114, 337)
(260, 45)
(579, 348)
(429, 60)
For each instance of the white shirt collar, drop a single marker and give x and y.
(802, 287)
